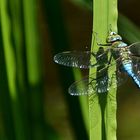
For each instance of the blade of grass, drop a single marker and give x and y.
(22, 107)
(34, 70)
(102, 110)
(5, 102)
(83, 102)
(16, 14)
(10, 60)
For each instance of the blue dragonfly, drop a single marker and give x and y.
(125, 57)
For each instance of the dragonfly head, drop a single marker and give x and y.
(113, 36)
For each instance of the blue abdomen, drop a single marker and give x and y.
(128, 68)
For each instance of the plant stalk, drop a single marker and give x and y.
(102, 109)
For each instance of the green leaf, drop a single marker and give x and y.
(102, 108)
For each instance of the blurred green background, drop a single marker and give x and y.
(34, 101)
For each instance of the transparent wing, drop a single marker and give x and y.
(74, 59)
(135, 49)
(84, 59)
(136, 66)
(97, 83)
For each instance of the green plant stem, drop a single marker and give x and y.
(7, 131)
(10, 61)
(34, 70)
(83, 102)
(102, 109)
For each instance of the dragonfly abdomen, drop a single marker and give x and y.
(129, 70)
(137, 80)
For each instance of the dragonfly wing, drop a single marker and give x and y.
(118, 78)
(135, 56)
(136, 66)
(74, 59)
(82, 87)
(88, 85)
(97, 83)
(135, 49)
(83, 59)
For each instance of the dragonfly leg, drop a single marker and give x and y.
(107, 44)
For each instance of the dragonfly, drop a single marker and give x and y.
(125, 57)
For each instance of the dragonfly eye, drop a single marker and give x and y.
(113, 38)
(113, 33)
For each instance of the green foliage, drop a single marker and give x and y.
(21, 89)
(22, 96)
(102, 108)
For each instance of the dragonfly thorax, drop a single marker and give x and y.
(113, 37)
(119, 44)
